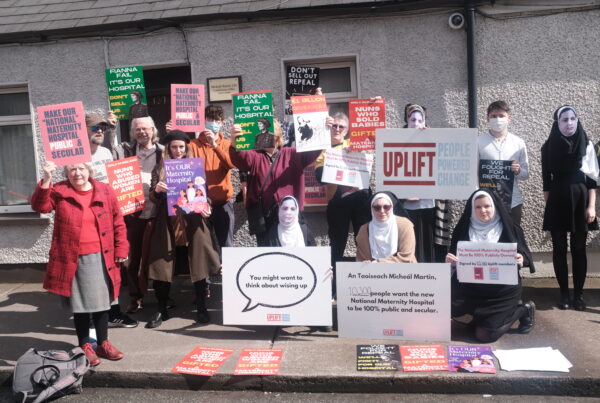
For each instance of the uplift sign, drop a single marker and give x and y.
(429, 164)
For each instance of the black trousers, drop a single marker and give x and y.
(222, 219)
(578, 255)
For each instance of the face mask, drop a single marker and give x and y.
(213, 126)
(498, 124)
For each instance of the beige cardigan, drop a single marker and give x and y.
(406, 243)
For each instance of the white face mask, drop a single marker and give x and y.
(498, 124)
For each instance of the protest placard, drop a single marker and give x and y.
(126, 180)
(402, 301)
(347, 168)
(187, 107)
(315, 194)
(301, 80)
(277, 286)
(377, 357)
(429, 164)
(365, 117)
(498, 177)
(471, 359)
(64, 134)
(259, 361)
(126, 92)
(423, 358)
(253, 111)
(487, 263)
(202, 361)
(310, 118)
(186, 184)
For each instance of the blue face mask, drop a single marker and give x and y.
(215, 127)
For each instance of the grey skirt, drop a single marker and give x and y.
(91, 288)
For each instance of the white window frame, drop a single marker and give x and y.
(327, 62)
(14, 120)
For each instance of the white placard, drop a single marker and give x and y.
(347, 168)
(429, 164)
(277, 286)
(487, 263)
(401, 301)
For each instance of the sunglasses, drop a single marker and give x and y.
(386, 207)
(96, 128)
(338, 127)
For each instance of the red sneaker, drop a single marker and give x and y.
(91, 354)
(108, 351)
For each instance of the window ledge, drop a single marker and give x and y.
(24, 219)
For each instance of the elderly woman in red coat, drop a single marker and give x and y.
(88, 243)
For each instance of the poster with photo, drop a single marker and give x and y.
(471, 359)
(186, 184)
(253, 111)
(498, 177)
(310, 118)
(378, 357)
(127, 92)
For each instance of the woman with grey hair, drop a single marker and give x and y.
(88, 244)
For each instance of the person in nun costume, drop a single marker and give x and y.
(289, 231)
(494, 307)
(569, 175)
(389, 236)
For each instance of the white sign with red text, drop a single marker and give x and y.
(487, 263)
(429, 163)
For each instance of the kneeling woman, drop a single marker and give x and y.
(289, 231)
(495, 307)
(387, 237)
(184, 236)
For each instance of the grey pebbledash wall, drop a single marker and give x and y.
(535, 63)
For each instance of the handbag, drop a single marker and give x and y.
(257, 222)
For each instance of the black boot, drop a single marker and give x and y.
(578, 302)
(527, 321)
(565, 301)
(202, 315)
(159, 317)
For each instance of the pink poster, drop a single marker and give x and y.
(64, 134)
(187, 107)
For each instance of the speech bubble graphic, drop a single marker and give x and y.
(275, 280)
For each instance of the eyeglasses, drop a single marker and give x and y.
(338, 127)
(386, 207)
(96, 128)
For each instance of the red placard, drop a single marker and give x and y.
(126, 179)
(259, 362)
(203, 361)
(308, 104)
(365, 117)
(64, 133)
(315, 194)
(187, 107)
(423, 358)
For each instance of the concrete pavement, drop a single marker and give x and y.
(312, 362)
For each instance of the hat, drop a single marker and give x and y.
(92, 119)
(176, 135)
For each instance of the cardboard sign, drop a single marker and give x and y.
(202, 361)
(315, 194)
(301, 80)
(126, 180)
(498, 177)
(487, 263)
(187, 107)
(262, 361)
(471, 359)
(310, 117)
(423, 358)
(124, 86)
(250, 111)
(186, 184)
(429, 164)
(277, 286)
(401, 301)
(64, 133)
(377, 357)
(365, 117)
(347, 168)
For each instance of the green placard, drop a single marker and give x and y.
(253, 111)
(126, 92)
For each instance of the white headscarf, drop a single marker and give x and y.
(383, 235)
(288, 229)
(480, 231)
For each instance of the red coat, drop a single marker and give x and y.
(64, 251)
